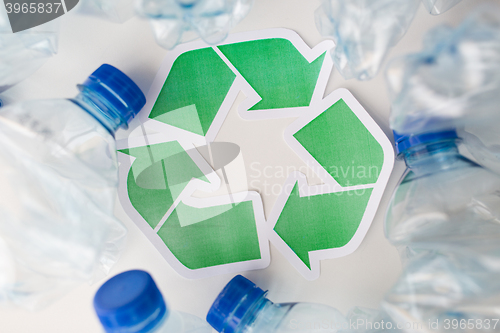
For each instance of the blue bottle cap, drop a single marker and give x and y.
(130, 302)
(406, 141)
(118, 90)
(238, 297)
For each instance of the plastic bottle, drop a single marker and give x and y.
(176, 21)
(365, 30)
(130, 302)
(453, 82)
(242, 307)
(59, 178)
(444, 217)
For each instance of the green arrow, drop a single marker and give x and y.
(276, 70)
(157, 176)
(194, 90)
(339, 141)
(228, 237)
(325, 221)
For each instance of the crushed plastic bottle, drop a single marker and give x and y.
(436, 7)
(444, 217)
(131, 302)
(453, 82)
(242, 307)
(59, 178)
(22, 53)
(117, 11)
(173, 20)
(363, 32)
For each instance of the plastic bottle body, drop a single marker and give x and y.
(60, 173)
(444, 219)
(294, 317)
(453, 82)
(363, 32)
(179, 322)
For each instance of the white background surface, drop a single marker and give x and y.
(361, 278)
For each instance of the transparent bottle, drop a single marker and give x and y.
(445, 219)
(130, 302)
(59, 176)
(453, 82)
(363, 31)
(242, 307)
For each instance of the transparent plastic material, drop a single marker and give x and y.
(363, 31)
(59, 179)
(22, 53)
(436, 7)
(179, 322)
(291, 317)
(117, 11)
(242, 307)
(453, 83)
(176, 21)
(444, 217)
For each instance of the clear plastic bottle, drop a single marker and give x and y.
(363, 31)
(453, 82)
(130, 302)
(444, 217)
(209, 19)
(242, 307)
(59, 178)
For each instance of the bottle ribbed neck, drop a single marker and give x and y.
(431, 157)
(101, 110)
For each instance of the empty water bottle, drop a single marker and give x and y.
(242, 307)
(59, 178)
(363, 31)
(453, 82)
(209, 19)
(131, 302)
(444, 216)
(22, 53)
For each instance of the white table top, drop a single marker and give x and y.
(361, 278)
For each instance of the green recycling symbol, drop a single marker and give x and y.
(181, 186)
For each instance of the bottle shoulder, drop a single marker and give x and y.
(298, 317)
(422, 200)
(180, 322)
(58, 133)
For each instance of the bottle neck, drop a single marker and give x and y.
(254, 315)
(100, 109)
(432, 157)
